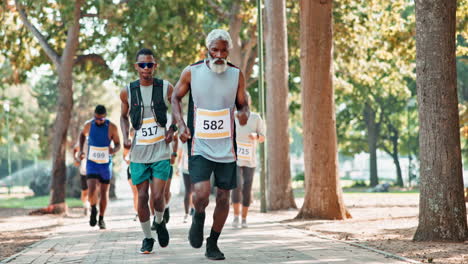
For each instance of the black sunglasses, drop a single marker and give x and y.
(146, 64)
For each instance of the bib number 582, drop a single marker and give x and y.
(213, 124)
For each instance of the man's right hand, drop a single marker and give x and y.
(184, 133)
(81, 155)
(127, 143)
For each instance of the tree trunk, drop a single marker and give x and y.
(59, 141)
(323, 194)
(442, 210)
(64, 112)
(280, 194)
(241, 54)
(372, 138)
(235, 25)
(396, 159)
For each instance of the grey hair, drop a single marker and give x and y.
(218, 34)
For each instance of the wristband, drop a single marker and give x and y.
(174, 154)
(173, 127)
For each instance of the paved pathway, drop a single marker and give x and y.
(265, 241)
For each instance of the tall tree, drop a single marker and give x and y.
(61, 51)
(442, 210)
(323, 194)
(63, 65)
(280, 194)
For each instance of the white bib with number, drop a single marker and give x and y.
(98, 154)
(244, 151)
(149, 133)
(213, 124)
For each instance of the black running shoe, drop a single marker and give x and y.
(102, 224)
(196, 230)
(147, 246)
(212, 250)
(153, 226)
(93, 215)
(163, 235)
(166, 215)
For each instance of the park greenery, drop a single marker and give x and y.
(374, 66)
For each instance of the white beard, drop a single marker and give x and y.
(217, 68)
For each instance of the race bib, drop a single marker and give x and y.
(245, 151)
(213, 124)
(98, 154)
(149, 133)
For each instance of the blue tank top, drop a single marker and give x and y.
(98, 137)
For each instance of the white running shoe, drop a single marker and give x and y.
(244, 223)
(235, 222)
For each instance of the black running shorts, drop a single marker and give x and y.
(225, 174)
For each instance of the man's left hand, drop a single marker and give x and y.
(169, 136)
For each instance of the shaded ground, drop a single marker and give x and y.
(383, 221)
(386, 222)
(18, 230)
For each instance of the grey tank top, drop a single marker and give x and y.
(213, 92)
(159, 150)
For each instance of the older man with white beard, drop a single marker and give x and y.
(217, 89)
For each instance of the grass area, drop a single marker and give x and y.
(32, 202)
(393, 190)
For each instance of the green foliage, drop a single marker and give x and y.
(173, 29)
(299, 177)
(359, 184)
(374, 54)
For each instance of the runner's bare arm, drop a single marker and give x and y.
(180, 90)
(76, 149)
(175, 146)
(83, 135)
(243, 111)
(124, 122)
(170, 131)
(260, 130)
(170, 91)
(125, 155)
(115, 138)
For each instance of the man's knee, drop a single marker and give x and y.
(143, 197)
(222, 197)
(201, 199)
(158, 196)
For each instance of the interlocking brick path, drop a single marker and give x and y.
(265, 241)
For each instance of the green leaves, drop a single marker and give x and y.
(374, 54)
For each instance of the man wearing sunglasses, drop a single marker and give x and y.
(99, 132)
(216, 89)
(145, 101)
